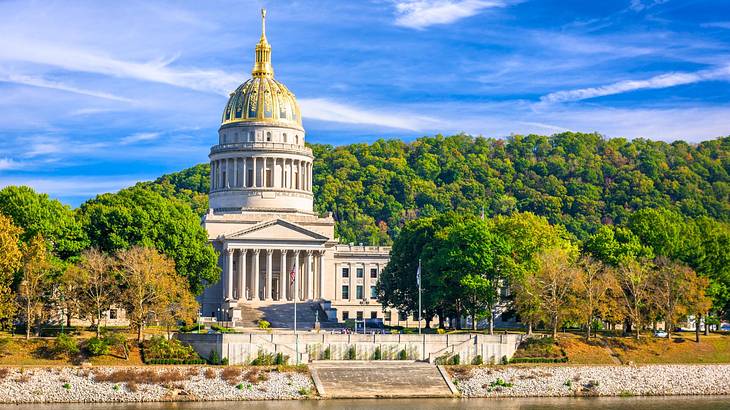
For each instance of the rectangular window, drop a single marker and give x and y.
(360, 272)
(373, 292)
(386, 316)
(345, 272)
(373, 315)
(402, 316)
(359, 315)
(345, 315)
(112, 313)
(374, 273)
(358, 293)
(345, 292)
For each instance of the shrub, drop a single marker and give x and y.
(500, 383)
(403, 355)
(66, 386)
(327, 355)
(351, 353)
(65, 344)
(263, 324)
(231, 375)
(158, 347)
(239, 386)
(264, 359)
(209, 373)
(97, 346)
(213, 358)
(505, 360)
(221, 329)
(195, 327)
(305, 391)
(477, 361)
(455, 360)
(281, 359)
(441, 331)
(377, 354)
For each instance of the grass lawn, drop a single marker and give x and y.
(680, 349)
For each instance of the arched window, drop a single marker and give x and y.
(296, 139)
(285, 139)
(250, 136)
(268, 137)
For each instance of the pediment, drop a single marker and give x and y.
(276, 229)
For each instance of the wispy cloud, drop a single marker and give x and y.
(717, 24)
(55, 85)
(139, 137)
(8, 164)
(641, 5)
(419, 14)
(327, 110)
(73, 185)
(659, 81)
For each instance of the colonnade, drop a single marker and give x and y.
(261, 172)
(265, 274)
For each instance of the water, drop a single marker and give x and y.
(634, 403)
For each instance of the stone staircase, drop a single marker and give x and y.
(353, 379)
(281, 314)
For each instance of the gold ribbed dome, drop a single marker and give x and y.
(262, 98)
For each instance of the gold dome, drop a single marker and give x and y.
(262, 98)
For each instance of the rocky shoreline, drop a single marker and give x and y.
(148, 384)
(567, 381)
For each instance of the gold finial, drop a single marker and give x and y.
(262, 66)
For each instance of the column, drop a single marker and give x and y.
(255, 172)
(310, 276)
(338, 285)
(295, 290)
(283, 276)
(255, 295)
(212, 175)
(244, 172)
(269, 279)
(365, 282)
(229, 274)
(235, 172)
(321, 274)
(352, 282)
(242, 284)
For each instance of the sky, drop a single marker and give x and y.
(97, 95)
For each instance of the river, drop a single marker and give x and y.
(604, 403)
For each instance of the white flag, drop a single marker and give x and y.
(418, 274)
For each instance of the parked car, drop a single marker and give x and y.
(660, 333)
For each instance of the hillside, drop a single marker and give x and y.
(578, 180)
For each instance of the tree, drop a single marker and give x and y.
(176, 305)
(138, 216)
(10, 262)
(528, 300)
(697, 301)
(37, 214)
(593, 281)
(555, 278)
(615, 244)
(36, 270)
(146, 277)
(96, 284)
(633, 277)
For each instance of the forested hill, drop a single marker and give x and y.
(578, 180)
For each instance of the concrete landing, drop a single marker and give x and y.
(370, 379)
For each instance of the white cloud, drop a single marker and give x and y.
(8, 164)
(420, 14)
(55, 85)
(717, 24)
(641, 5)
(659, 81)
(327, 110)
(71, 186)
(139, 137)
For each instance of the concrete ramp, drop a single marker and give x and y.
(369, 379)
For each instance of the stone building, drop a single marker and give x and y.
(261, 218)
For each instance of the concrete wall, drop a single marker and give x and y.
(242, 348)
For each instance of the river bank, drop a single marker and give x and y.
(566, 381)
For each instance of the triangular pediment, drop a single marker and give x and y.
(276, 229)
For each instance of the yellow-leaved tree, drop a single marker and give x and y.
(10, 262)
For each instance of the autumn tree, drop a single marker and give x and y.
(96, 284)
(34, 282)
(556, 276)
(10, 262)
(146, 277)
(593, 281)
(177, 304)
(634, 279)
(697, 301)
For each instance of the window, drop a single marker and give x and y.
(358, 293)
(359, 315)
(373, 315)
(360, 272)
(268, 136)
(296, 139)
(285, 139)
(112, 314)
(374, 273)
(345, 315)
(250, 136)
(345, 272)
(402, 316)
(345, 292)
(386, 316)
(373, 292)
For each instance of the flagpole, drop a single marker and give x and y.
(419, 296)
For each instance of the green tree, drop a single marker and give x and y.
(34, 282)
(138, 216)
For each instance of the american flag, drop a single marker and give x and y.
(293, 273)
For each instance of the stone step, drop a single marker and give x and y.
(281, 315)
(353, 379)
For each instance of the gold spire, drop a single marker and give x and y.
(262, 66)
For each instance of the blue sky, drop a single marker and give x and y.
(95, 96)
